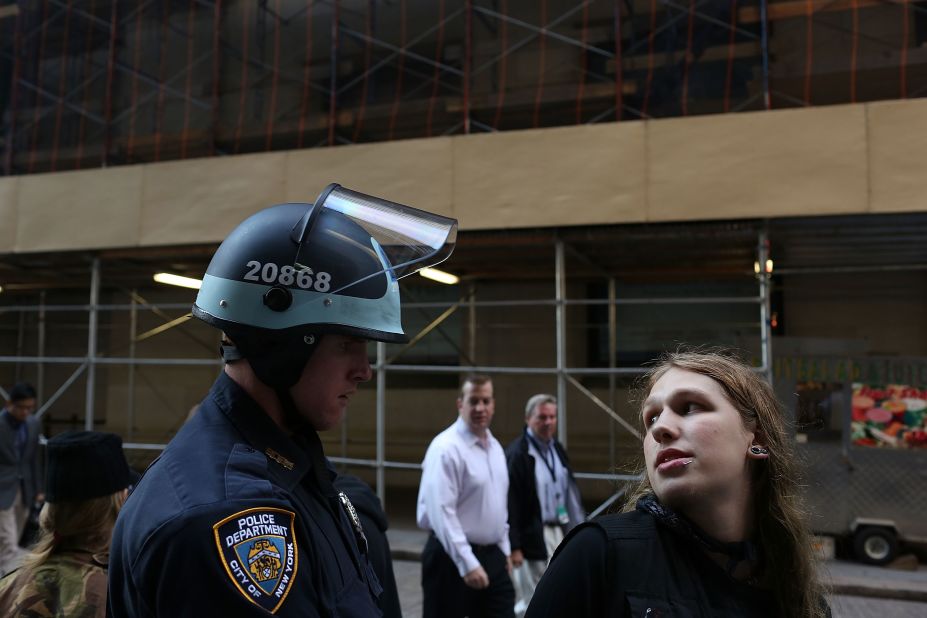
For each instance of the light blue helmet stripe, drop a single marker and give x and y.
(242, 302)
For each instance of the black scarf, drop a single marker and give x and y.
(736, 552)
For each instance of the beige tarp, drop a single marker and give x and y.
(847, 159)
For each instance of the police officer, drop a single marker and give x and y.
(239, 516)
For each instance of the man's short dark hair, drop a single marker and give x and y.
(22, 391)
(476, 379)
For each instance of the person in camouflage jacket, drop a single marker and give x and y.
(70, 583)
(65, 574)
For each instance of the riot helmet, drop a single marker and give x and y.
(293, 272)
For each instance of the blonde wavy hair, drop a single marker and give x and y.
(782, 532)
(81, 524)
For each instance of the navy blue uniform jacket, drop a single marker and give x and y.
(230, 521)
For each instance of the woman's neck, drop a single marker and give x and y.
(728, 521)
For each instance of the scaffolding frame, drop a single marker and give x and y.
(58, 82)
(566, 376)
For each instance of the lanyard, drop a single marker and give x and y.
(550, 465)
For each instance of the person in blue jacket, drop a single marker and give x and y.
(240, 516)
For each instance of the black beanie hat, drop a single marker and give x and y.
(84, 465)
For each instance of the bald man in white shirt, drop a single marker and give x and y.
(462, 500)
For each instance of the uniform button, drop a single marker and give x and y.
(249, 450)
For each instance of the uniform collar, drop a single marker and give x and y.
(287, 455)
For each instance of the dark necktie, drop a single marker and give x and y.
(19, 442)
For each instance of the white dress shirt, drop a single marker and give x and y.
(463, 497)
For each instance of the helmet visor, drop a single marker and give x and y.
(405, 239)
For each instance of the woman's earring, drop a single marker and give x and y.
(758, 450)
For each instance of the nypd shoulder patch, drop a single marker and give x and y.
(258, 549)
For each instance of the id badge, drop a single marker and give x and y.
(562, 516)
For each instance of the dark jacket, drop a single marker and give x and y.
(630, 565)
(526, 529)
(232, 520)
(17, 473)
(375, 525)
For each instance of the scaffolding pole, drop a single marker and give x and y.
(40, 377)
(765, 322)
(767, 100)
(92, 342)
(133, 333)
(471, 322)
(560, 296)
(612, 363)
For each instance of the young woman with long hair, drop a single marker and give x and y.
(65, 572)
(715, 527)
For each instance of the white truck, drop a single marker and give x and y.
(863, 448)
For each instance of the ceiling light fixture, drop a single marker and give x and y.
(184, 282)
(439, 275)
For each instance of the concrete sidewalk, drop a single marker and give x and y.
(844, 578)
(407, 543)
(852, 578)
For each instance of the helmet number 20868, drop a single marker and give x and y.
(304, 278)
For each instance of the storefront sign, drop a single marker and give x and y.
(874, 371)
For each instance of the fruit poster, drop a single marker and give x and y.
(891, 416)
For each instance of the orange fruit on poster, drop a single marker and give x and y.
(895, 406)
